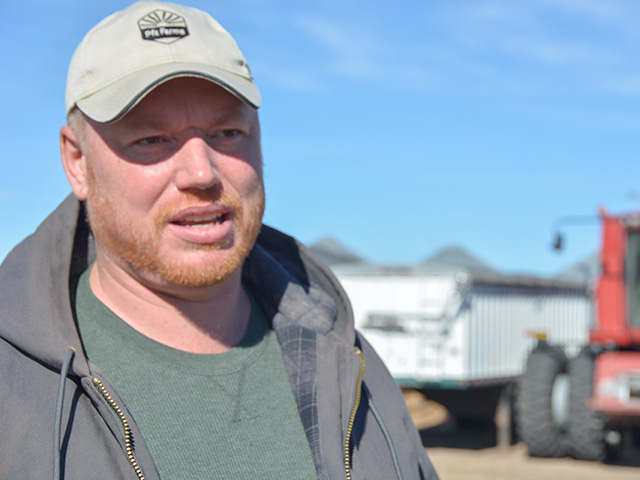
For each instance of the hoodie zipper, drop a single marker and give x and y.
(352, 416)
(125, 425)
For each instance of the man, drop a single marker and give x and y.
(152, 327)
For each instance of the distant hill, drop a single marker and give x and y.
(339, 257)
(331, 252)
(457, 256)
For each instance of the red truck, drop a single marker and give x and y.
(588, 406)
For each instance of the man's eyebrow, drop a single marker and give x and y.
(154, 122)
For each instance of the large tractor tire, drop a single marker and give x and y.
(542, 402)
(585, 437)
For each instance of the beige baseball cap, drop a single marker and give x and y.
(132, 51)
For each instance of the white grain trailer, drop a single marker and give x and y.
(459, 337)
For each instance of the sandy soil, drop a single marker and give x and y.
(513, 463)
(472, 455)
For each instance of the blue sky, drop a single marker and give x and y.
(397, 128)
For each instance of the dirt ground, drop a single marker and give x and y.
(472, 454)
(513, 463)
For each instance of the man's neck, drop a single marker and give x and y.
(205, 320)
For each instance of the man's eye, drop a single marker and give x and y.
(230, 133)
(150, 140)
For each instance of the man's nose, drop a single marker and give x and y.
(196, 165)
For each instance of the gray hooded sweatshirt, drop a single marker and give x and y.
(61, 418)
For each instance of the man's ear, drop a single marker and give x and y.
(74, 162)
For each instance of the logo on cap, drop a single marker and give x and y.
(163, 26)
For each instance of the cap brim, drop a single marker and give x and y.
(111, 103)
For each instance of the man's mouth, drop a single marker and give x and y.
(201, 222)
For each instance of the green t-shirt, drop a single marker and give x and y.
(222, 416)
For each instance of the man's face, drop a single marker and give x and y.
(175, 192)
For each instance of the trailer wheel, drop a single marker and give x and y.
(542, 402)
(586, 427)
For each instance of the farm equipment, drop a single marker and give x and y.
(588, 406)
(459, 335)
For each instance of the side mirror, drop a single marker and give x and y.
(558, 243)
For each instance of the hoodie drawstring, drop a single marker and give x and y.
(66, 363)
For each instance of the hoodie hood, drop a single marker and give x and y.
(302, 291)
(35, 285)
